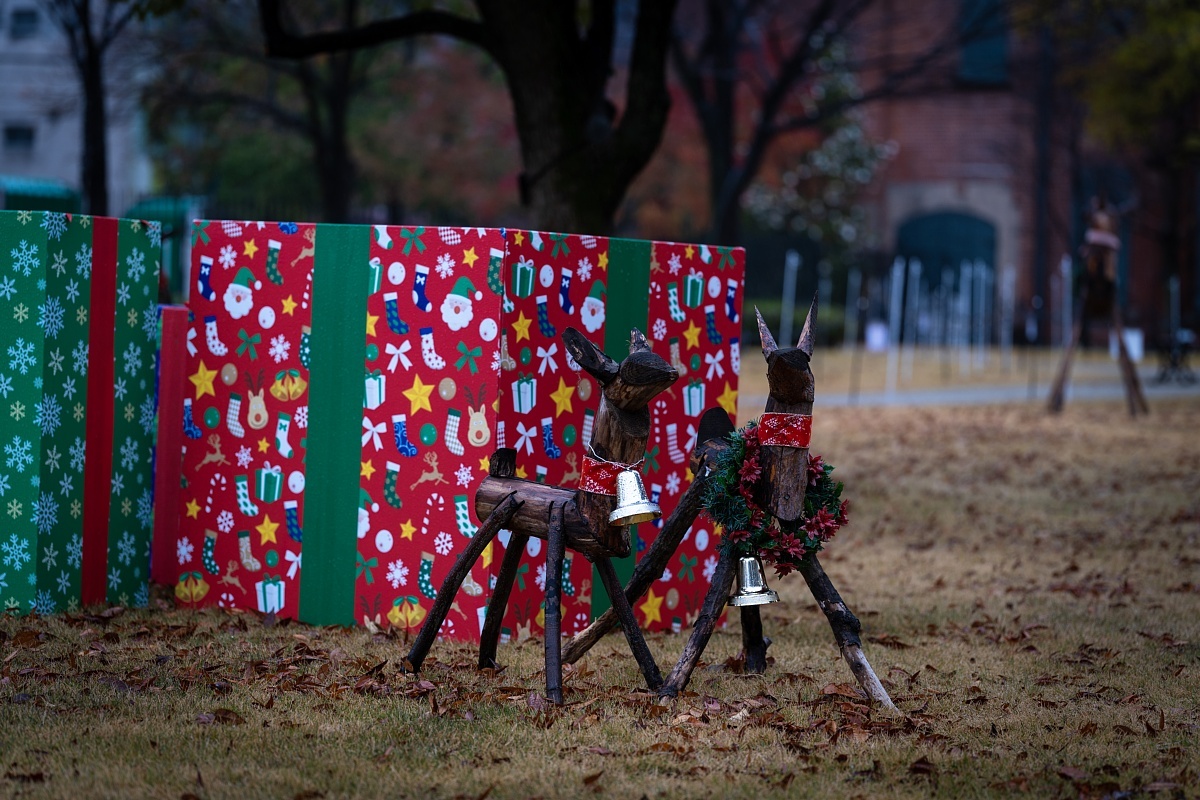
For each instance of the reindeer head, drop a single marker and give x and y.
(478, 432)
(789, 377)
(256, 416)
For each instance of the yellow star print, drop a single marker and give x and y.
(407, 529)
(193, 508)
(521, 326)
(289, 305)
(250, 249)
(469, 257)
(652, 607)
(266, 530)
(562, 397)
(203, 380)
(689, 252)
(366, 469)
(263, 445)
(486, 558)
(728, 399)
(602, 261)
(371, 320)
(485, 463)
(521, 473)
(418, 395)
(691, 334)
(519, 237)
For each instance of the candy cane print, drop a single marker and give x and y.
(212, 489)
(433, 499)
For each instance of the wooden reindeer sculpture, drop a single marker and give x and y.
(791, 391)
(577, 519)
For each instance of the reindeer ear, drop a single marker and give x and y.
(764, 334)
(809, 334)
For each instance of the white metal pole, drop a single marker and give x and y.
(791, 266)
(1008, 299)
(912, 303)
(1068, 317)
(894, 300)
(964, 318)
(853, 289)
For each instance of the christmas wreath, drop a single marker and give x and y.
(749, 529)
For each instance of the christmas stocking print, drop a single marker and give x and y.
(231, 416)
(241, 486)
(390, 481)
(731, 301)
(710, 325)
(251, 563)
(206, 553)
(211, 338)
(673, 450)
(462, 517)
(425, 576)
(305, 345)
(391, 305)
(291, 516)
(543, 319)
(282, 427)
(552, 450)
(419, 299)
(429, 352)
(673, 303)
(190, 429)
(495, 280)
(273, 273)
(204, 281)
(400, 435)
(564, 292)
(453, 420)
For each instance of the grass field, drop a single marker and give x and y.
(1029, 585)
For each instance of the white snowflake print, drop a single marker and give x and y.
(128, 453)
(145, 509)
(66, 484)
(146, 414)
(83, 262)
(118, 484)
(463, 475)
(243, 456)
(21, 312)
(301, 417)
(228, 257)
(114, 579)
(4, 485)
(673, 484)
(54, 224)
(60, 264)
(47, 415)
(496, 361)
(225, 521)
(119, 388)
(397, 574)
(445, 265)
(8, 288)
(154, 233)
(24, 258)
(126, 548)
(18, 454)
(72, 291)
(50, 556)
(136, 261)
(279, 348)
(45, 512)
(75, 551)
(150, 322)
(141, 598)
(55, 361)
(64, 582)
(14, 553)
(584, 270)
(710, 567)
(50, 317)
(5, 385)
(123, 294)
(79, 358)
(20, 356)
(77, 455)
(442, 544)
(133, 358)
(42, 603)
(540, 577)
(183, 551)
(674, 264)
(659, 330)
(69, 388)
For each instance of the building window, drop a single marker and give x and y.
(983, 42)
(18, 140)
(24, 23)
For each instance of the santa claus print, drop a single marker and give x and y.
(457, 307)
(239, 299)
(592, 312)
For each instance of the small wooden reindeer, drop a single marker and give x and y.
(478, 432)
(564, 517)
(791, 391)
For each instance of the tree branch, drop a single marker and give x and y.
(426, 22)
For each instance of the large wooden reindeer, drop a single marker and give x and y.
(781, 491)
(564, 517)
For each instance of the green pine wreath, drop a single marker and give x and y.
(748, 529)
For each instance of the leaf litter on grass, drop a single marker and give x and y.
(1024, 583)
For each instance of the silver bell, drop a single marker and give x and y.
(633, 506)
(752, 589)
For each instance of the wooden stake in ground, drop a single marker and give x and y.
(577, 519)
(1098, 294)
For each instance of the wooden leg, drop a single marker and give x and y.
(554, 565)
(1058, 390)
(499, 601)
(499, 517)
(633, 634)
(710, 612)
(754, 644)
(846, 630)
(647, 571)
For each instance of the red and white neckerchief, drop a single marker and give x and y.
(600, 476)
(785, 430)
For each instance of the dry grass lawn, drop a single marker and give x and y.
(1030, 586)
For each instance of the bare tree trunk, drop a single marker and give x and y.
(95, 133)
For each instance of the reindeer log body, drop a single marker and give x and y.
(622, 425)
(792, 389)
